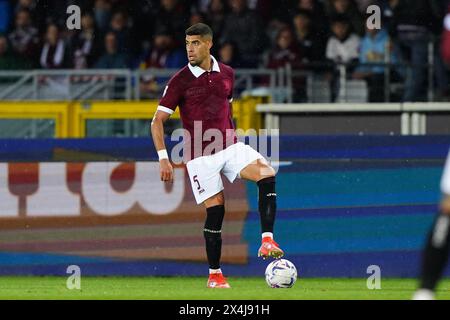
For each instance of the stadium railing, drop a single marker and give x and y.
(118, 84)
(310, 83)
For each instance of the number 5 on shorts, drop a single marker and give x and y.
(198, 183)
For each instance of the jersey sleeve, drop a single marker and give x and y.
(171, 97)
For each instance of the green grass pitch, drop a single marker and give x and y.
(181, 288)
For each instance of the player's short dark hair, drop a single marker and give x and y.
(199, 29)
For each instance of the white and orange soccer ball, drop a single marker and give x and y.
(281, 273)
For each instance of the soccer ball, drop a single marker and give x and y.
(281, 273)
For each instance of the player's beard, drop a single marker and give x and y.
(195, 63)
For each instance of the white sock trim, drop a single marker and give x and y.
(267, 234)
(213, 271)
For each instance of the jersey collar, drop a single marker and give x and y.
(197, 71)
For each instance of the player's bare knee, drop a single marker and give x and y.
(215, 200)
(445, 205)
(267, 171)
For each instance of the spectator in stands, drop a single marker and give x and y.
(343, 45)
(441, 10)
(342, 48)
(102, 15)
(269, 10)
(441, 74)
(162, 55)
(217, 12)
(6, 58)
(5, 15)
(363, 4)
(445, 42)
(85, 44)
(38, 13)
(112, 59)
(273, 30)
(243, 28)
(387, 15)
(229, 55)
(174, 15)
(311, 45)
(349, 9)
(52, 12)
(29, 5)
(445, 45)
(376, 47)
(196, 17)
(8, 61)
(414, 20)
(24, 38)
(143, 15)
(54, 53)
(202, 5)
(286, 52)
(119, 25)
(320, 23)
(275, 16)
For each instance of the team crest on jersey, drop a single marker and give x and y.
(196, 91)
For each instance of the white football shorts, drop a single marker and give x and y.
(445, 181)
(205, 172)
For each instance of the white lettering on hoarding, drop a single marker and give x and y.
(9, 204)
(53, 197)
(147, 189)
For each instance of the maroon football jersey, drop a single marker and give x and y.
(204, 98)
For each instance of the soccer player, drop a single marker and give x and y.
(203, 91)
(437, 247)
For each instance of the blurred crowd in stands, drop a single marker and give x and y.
(307, 34)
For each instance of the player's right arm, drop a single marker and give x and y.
(167, 105)
(157, 131)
